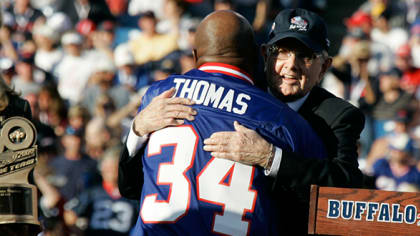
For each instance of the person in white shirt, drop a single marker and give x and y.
(74, 70)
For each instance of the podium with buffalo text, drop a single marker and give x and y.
(349, 211)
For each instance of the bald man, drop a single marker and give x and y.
(184, 190)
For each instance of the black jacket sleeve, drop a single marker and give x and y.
(340, 169)
(130, 174)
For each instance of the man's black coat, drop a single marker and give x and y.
(339, 125)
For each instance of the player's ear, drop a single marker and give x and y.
(194, 53)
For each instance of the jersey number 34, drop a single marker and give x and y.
(220, 182)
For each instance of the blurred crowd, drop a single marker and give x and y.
(84, 65)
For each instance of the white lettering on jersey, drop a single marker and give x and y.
(209, 94)
(213, 95)
(243, 104)
(200, 89)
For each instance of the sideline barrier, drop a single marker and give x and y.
(350, 211)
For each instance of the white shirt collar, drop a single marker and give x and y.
(298, 103)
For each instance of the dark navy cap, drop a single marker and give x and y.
(303, 25)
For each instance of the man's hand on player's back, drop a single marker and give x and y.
(163, 111)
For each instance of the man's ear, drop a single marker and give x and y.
(327, 63)
(263, 50)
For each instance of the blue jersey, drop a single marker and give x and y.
(108, 215)
(387, 180)
(186, 191)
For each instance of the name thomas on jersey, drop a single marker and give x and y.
(209, 94)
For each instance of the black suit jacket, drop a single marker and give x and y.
(339, 125)
(336, 121)
(130, 174)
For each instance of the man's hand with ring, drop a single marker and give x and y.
(242, 145)
(163, 111)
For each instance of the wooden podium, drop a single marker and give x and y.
(348, 211)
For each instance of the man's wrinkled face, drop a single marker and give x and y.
(292, 69)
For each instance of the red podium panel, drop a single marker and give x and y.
(349, 211)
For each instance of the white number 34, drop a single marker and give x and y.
(220, 182)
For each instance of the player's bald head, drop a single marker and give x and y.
(227, 37)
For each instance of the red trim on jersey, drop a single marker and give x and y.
(227, 69)
(228, 174)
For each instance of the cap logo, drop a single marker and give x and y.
(298, 23)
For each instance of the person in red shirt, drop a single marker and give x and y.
(410, 80)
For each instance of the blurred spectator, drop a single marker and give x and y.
(24, 15)
(117, 7)
(85, 27)
(102, 40)
(7, 70)
(129, 75)
(397, 10)
(393, 37)
(359, 28)
(415, 42)
(388, 99)
(45, 137)
(102, 83)
(177, 21)
(48, 95)
(57, 116)
(398, 166)
(136, 7)
(78, 117)
(360, 20)
(400, 125)
(361, 78)
(28, 78)
(219, 5)
(59, 22)
(362, 91)
(120, 119)
(255, 11)
(73, 171)
(11, 104)
(166, 67)
(411, 75)
(413, 10)
(105, 210)
(151, 46)
(338, 79)
(74, 70)
(8, 45)
(48, 54)
(76, 10)
(97, 137)
(186, 61)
